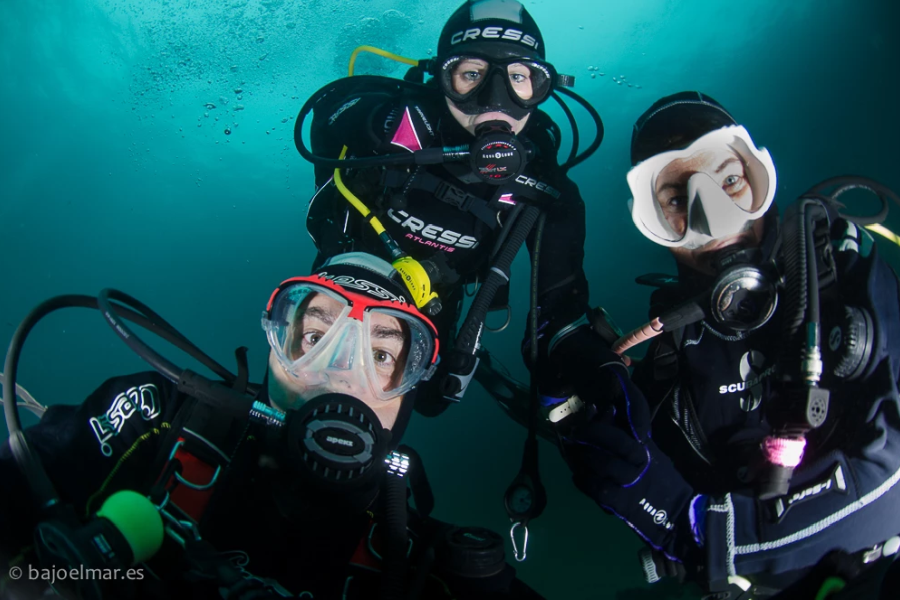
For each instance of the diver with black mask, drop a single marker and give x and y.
(167, 484)
(760, 432)
(447, 178)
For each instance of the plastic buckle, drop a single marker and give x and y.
(452, 195)
(512, 536)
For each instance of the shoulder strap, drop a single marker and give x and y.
(665, 355)
(444, 191)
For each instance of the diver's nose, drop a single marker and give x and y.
(345, 356)
(346, 381)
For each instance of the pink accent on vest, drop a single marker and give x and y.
(406, 136)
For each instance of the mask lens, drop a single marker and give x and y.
(401, 350)
(301, 316)
(529, 81)
(464, 76)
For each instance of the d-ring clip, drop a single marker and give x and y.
(194, 486)
(512, 536)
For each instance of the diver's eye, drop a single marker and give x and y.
(676, 202)
(383, 358)
(471, 76)
(733, 184)
(518, 77)
(311, 338)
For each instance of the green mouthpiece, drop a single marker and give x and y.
(138, 520)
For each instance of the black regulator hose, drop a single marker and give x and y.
(38, 481)
(598, 122)
(420, 157)
(802, 404)
(846, 183)
(507, 227)
(396, 564)
(462, 360)
(801, 276)
(795, 276)
(498, 276)
(575, 135)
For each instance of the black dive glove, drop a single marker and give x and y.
(582, 364)
(615, 462)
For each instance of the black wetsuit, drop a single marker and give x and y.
(712, 395)
(366, 120)
(115, 441)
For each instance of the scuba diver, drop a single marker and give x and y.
(166, 484)
(447, 178)
(760, 432)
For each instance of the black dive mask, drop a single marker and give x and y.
(744, 296)
(479, 82)
(492, 95)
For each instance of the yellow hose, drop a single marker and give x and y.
(883, 231)
(352, 199)
(380, 52)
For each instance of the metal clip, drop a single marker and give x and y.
(512, 536)
(183, 527)
(872, 555)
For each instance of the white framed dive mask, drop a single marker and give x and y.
(711, 213)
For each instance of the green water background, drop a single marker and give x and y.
(115, 173)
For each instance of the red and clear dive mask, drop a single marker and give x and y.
(332, 340)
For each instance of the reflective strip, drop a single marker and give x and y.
(729, 536)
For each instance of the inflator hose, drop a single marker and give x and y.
(469, 333)
(393, 579)
(801, 277)
(795, 277)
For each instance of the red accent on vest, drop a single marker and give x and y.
(363, 557)
(192, 502)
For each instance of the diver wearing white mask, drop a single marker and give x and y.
(740, 456)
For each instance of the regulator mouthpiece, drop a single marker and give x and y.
(497, 155)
